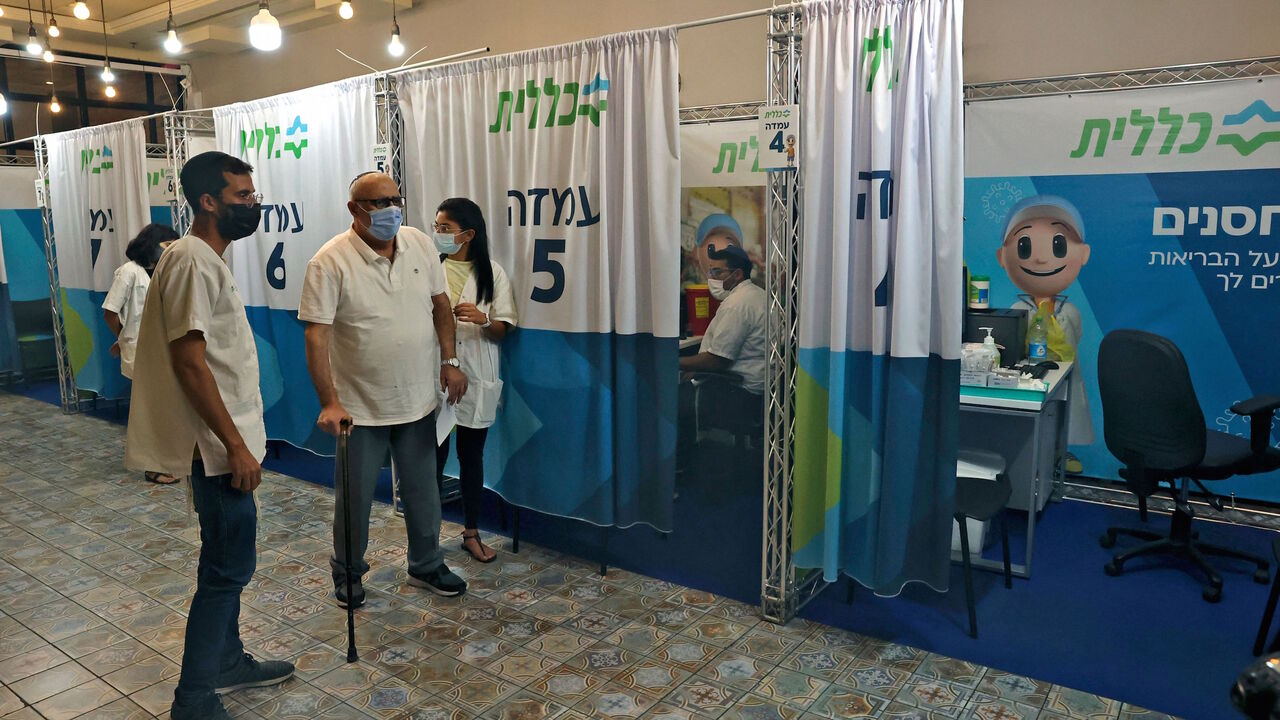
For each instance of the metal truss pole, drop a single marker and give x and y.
(390, 129)
(67, 392)
(781, 596)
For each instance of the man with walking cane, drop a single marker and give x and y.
(374, 358)
(196, 409)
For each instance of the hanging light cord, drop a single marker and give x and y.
(106, 56)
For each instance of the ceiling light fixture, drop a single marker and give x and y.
(172, 44)
(107, 75)
(53, 28)
(54, 106)
(345, 11)
(33, 43)
(264, 29)
(47, 55)
(81, 11)
(110, 91)
(395, 47)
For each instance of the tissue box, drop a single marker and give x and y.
(974, 377)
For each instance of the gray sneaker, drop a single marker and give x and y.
(251, 674)
(441, 581)
(210, 709)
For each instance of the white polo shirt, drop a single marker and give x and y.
(125, 298)
(192, 290)
(737, 333)
(383, 350)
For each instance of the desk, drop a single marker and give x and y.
(692, 341)
(1038, 412)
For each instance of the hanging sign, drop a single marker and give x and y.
(779, 136)
(381, 157)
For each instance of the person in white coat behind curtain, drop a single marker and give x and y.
(485, 311)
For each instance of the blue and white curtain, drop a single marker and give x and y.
(305, 148)
(572, 152)
(98, 195)
(880, 301)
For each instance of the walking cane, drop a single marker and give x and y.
(344, 433)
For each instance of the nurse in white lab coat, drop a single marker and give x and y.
(485, 311)
(122, 308)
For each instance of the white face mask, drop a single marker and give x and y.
(717, 289)
(447, 243)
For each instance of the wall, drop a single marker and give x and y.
(1003, 39)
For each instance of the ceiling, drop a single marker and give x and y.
(135, 28)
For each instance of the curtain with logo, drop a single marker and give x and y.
(878, 380)
(305, 148)
(98, 194)
(573, 154)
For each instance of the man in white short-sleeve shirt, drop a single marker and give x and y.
(196, 408)
(735, 340)
(379, 336)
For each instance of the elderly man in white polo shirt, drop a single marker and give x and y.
(380, 331)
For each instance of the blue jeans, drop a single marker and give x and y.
(228, 557)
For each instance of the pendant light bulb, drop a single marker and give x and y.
(81, 11)
(110, 91)
(33, 43)
(47, 55)
(4, 105)
(54, 106)
(264, 29)
(107, 75)
(395, 47)
(54, 31)
(172, 44)
(345, 11)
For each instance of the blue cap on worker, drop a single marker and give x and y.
(1050, 206)
(724, 224)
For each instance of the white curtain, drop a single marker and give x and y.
(572, 152)
(877, 391)
(98, 195)
(305, 148)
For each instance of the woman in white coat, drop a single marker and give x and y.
(485, 312)
(122, 308)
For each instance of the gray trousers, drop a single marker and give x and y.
(413, 448)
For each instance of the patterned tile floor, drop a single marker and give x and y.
(97, 569)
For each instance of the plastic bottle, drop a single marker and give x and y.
(979, 292)
(993, 352)
(1038, 340)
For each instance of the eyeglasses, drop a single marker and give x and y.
(384, 202)
(249, 198)
(719, 273)
(445, 229)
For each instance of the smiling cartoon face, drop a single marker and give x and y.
(1042, 256)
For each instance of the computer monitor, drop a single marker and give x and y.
(1008, 327)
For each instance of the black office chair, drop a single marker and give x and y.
(1153, 424)
(981, 499)
(724, 404)
(33, 324)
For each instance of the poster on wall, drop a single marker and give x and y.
(572, 154)
(1170, 196)
(305, 148)
(98, 195)
(721, 180)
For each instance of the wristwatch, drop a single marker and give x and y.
(487, 322)
(451, 362)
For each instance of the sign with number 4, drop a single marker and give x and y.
(779, 137)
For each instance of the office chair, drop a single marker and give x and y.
(723, 404)
(1152, 423)
(1272, 599)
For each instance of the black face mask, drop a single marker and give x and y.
(238, 221)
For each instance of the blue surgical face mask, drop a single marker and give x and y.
(385, 223)
(447, 243)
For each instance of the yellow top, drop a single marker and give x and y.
(457, 272)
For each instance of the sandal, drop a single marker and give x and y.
(159, 478)
(480, 557)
